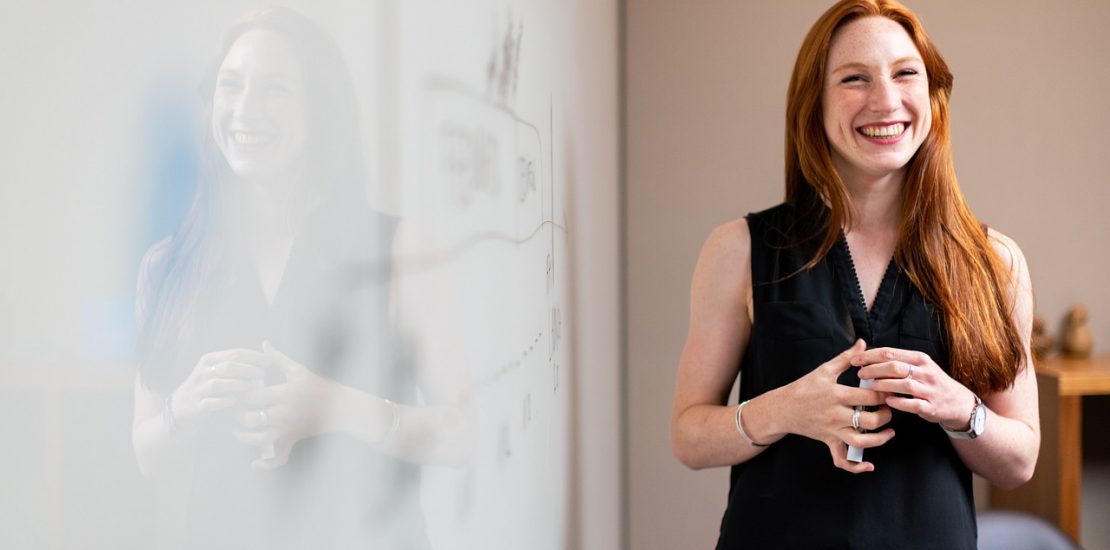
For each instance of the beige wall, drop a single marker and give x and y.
(705, 99)
(589, 96)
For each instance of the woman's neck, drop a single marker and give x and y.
(267, 209)
(877, 203)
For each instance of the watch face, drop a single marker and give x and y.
(978, 420)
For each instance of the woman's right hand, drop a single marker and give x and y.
(822, 409)
(217, 382)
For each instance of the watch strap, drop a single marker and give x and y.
(972, 432)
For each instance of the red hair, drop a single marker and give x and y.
(941, 246)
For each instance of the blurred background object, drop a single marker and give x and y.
(1077, 341)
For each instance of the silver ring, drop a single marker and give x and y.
(910, 374)
(263, 421)
(212, 370)
(855, 419)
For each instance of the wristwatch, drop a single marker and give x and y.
(978, 421)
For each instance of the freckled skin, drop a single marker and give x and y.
(875, 77)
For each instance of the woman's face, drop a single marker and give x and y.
(258, 110)
(876, 99)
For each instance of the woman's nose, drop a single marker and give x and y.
(248, 103)
(884, 97)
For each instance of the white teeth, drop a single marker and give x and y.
(249, 139)
(885, 131)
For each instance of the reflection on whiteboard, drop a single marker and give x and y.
(457, 111)
(479, 178)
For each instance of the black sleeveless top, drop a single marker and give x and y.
(330, 313)
(791, 495)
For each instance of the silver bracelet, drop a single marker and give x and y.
(167, 414)
(395, 423)
(740, 426)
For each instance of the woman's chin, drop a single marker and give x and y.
(253, 169)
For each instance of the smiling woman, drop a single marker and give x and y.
(880, 329)
(258, 114)
(877, 89)
(273, 386)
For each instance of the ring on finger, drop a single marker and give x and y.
(855, 419)
(263, 420)
(909, 375)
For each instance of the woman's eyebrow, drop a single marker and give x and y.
(858, 66)
(269, 77)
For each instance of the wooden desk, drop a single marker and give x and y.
(1054, 491)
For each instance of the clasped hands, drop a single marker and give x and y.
(905, 380)
(229, 384)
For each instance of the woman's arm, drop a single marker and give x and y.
(424, 308)
(163, 426)
(703, 428)
(439, 430)
(158, 452)
(307, 405)
(1006, 452)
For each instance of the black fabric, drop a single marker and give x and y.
(791, 495)
(330, 314)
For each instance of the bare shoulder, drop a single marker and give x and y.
(1009, 252)
(723, 272)
(727, 250)
(729, 241)
(1021, 287)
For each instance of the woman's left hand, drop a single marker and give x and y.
(283, 414)
(926, 389)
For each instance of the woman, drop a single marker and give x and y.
(271, 380)
(873, 272)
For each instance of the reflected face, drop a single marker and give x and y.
(258, 108)
(876, 99)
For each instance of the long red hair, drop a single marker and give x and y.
(941, 246)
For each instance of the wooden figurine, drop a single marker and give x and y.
(1043, 342)
(1077, 341)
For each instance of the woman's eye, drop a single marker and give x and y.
(907, 72)
(851, 78)
(228, 84)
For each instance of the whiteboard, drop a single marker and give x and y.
(479, 121)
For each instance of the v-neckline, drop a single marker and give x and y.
(271, 300)
(853, 290)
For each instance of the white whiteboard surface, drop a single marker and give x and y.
(490, 127)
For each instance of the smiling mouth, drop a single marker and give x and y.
(252, 139)
(884, 131)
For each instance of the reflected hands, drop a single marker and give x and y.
(914, 383)
(286, 413)
(217, 382)
(822, 410)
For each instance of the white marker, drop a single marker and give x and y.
(855, 454)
